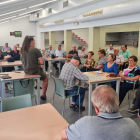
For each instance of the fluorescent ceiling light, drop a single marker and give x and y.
(30, 12)
(20, 17)
(7, 2)
(13, 12)
(4, 22)
(8, 18)
(42, 3)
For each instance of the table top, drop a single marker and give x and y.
(16, 76)
(103, 74)
(41, 122)
(5, 63)
(55, 59)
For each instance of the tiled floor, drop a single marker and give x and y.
(72, 116)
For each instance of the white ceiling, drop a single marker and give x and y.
(21, 4)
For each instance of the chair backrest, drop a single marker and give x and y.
(83, 60)
(4, 53)
(14, 103)
(1, 47)
(59, 87)
(22, 87)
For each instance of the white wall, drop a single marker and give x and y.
(23, 25)
(83, 33)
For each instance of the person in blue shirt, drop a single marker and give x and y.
(14, 53)
(110, 66)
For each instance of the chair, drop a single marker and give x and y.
(4, 53)
(129, 93)
(83, 60)
(1, 47)
(26, 86)
(14, 103)
(60, 91)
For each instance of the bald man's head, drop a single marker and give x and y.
(116, 51)
(15, 48)
(74, 48)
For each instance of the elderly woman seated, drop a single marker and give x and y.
(128, 76)
(110, 66)
(89, 62)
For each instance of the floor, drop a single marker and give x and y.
(71, 116)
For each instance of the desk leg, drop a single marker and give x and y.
(89, 100)
(59, 66)
(49, 68)
(118, 86)
(2, 89)
(38, 91)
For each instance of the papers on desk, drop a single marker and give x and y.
(94, 77)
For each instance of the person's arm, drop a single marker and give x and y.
(103, 69)
(131, 78)
(64, 135)
(100, 67)
(79, 75)
(120, 63)
(41, 62)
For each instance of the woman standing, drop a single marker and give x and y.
(32, 60)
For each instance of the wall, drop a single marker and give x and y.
(118, 28)
(27, 28)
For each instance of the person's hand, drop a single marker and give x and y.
(40, 66)
(85, 65)
(120, 73)
(47, 53)
(139, 78)
(138, 114)
(123, 78)
(75, 55)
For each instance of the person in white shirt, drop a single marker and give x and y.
(59, 53)
(83, 53)
(111, 50)
(119, 58)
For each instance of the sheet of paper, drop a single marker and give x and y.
(94, 77)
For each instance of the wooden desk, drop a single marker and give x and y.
(10, 64)
(41, 122)
(55, 59)
(19, 76)
(107, 79)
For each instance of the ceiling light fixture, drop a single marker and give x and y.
(4, 22)
(12, 12)
(19, 17)
(42, 3)
(7, 2)
(30, 12)
(8, 18)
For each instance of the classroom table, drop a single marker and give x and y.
(107, 79)
(41, 122)
(19, 76)
(10, 64)
(55, 59)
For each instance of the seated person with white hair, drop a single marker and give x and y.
(119, 58)
(6, 48)
(14, 54)
(107, 125)
(72, 53)
(83, 52)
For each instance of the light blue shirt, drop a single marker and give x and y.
(50, 51)
(60, 53)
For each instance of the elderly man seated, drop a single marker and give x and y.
(72, 53)
(119, 58)
(6, 48)
(107, 125)
(83, 53)
(14, 53)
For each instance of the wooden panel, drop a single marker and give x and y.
(104, 74)
(16, 76)
(16, 63)
(41, 122)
